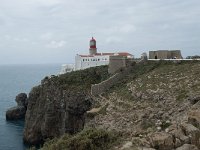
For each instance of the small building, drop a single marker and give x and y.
(118, 62)
(94, 58)
(66, 68)
(165, 54)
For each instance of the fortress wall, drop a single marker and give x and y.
(152, 54)
(177, 54)
(162, 54)
(102, 87)
(165, 54)
(116, 63)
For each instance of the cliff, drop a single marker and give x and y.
(154, 106)
(59, 104)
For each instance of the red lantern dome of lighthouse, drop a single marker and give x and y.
(93, 48)
(92, 43)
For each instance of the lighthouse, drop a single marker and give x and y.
(93, 48)
(94, 59)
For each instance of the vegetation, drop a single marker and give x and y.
(81, 80)
(170, 75)
(88, 139)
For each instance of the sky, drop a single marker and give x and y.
(54, 31)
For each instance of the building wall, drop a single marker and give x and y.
(92, 51)
(165, 54)
(177, 54)
(93, 61)
(118, 62)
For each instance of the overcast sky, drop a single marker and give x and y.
(54, 31)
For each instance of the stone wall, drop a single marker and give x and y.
(177, 54)
(116, 63)
(102, 87)
(165, 54)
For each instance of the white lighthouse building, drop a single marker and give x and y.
(94, 58)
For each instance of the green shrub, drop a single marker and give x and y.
(88, 139)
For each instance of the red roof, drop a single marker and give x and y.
(124, 54)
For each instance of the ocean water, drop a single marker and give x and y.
(15, 79)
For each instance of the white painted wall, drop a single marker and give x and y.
(92, 61)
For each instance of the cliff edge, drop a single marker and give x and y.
(59, 104)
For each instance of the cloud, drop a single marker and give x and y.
(47, 2)
(46, 36)
(56, 44)
(123, 25)
(113, 39)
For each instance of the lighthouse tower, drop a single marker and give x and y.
(93, 49)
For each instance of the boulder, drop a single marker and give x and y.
(192, 132)
(194, 118)
(21, 99)
(187, 147)
(180, 138)
(19, 111)
(145, 148)
(194, 100)
(161, 141)
(16, 113)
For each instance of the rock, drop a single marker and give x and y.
(159, 128)
(177, 143)
(127, 145)
(16, 113)
(194, 118)
(194, 100)
(176, 131)
(187, 147)
(193, 133)
(141, 142)
(19, 111)
(167, 130)
(76, 107)
(161, 141)
(145, 148)
(21, 99)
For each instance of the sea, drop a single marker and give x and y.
(15, 79)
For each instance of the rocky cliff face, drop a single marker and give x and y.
(52, 112)
(59, 104)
